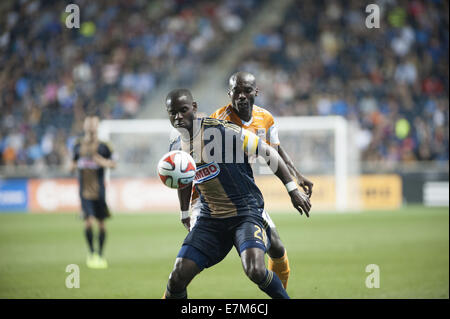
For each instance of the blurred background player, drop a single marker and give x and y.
(232, 205)
(244, 113)
(91, 157)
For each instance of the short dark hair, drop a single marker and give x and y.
(242, 75)
(177, 93)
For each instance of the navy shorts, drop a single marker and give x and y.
(211, 239)
(96, 208)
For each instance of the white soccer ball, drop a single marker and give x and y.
(176, 169)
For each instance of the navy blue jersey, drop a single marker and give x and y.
(224, 177)
(91, 175)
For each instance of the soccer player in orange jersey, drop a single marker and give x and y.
(244, 113)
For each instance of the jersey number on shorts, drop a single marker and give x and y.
(260, 234)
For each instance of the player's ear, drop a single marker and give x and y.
(194, 107)
(256, 91)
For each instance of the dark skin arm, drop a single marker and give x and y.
(302, 181)
(184, 197)
(299, 200)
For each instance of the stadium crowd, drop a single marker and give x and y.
(52, 76)
(322, 60)
(392, 80)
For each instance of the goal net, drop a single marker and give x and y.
(322, 148)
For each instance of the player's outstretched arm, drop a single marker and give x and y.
(184, 197)
(280, 169)
(304, 183)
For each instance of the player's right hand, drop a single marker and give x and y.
(300, 201)
(187, 223)
(305, 183)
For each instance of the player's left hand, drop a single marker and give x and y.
(187, 223)
(300, 201)
(305, 183)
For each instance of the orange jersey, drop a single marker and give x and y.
(261, 122)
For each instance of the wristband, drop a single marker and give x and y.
(184, 214)
(290, 186)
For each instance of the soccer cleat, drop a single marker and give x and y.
(91, 260)
(101, 263)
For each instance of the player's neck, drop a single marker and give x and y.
(192, 132)
(244, 117)
(186, 135)
(88, 137)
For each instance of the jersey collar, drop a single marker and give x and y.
(247, 123)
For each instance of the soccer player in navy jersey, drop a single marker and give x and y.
(232, 204)
(91, 157)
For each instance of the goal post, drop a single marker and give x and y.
(342, 161)
(138, 143)
(323, 148)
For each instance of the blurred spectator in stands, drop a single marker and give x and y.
(51, 76)
(392, 81)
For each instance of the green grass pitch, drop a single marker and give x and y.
(328, 256)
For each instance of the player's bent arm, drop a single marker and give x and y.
(281, 170)
(306, 184)
(104, 162)
(110, 163)
(184, 198)
(286, 159)
(275, 162)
